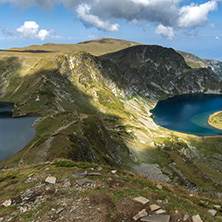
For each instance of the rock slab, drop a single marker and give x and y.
(7, 203)
(196, 218)
(156, 218)
(212, 212)
(141, 214)
(160, 211)
(84, 174)
(154, 207)
(142, 200)
(81, 182)
(51, 180)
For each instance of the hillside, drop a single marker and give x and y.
(97, 109)
(69, 191)
(95, 47)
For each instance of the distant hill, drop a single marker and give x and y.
(94, 47)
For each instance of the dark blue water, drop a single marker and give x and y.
(188, 113)
(15, 133)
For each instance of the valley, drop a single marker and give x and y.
(95, 106)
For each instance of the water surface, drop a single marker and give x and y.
(188, 113)
(15, 133)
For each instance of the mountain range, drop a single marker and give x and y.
(94, 102)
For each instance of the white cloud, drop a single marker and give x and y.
(30, 29)
(103, 14)
(216, 37)
(43, 34)
(134, 22)
(146, 27)
(212, 25)
(83, 12)
(91, 36)
(195, 15)
(166, 32)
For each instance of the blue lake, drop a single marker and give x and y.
(15, 133)
(188, 113)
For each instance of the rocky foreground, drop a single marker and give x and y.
(68, 191)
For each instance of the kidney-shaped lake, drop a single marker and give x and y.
(188, 113)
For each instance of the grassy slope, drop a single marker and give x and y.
(94, 47)
(215, 120)
(98, 109)
(113, 194)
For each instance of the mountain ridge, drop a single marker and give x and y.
(97, 109)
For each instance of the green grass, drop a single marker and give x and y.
(134, 186)
(215, 120)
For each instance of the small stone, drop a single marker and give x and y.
(13, 214)
(141, 200)
(113, 171)
(99, 168)
(160, 187)
(84, 174)
(81, 182)
(217, 206)
(212, 212)
(23, 209)
(185, 218)
(59, 210)
(67, 184)
(1, 219)
(141, 214)
(156, 218)
(160, 211)
(51, 180)
(95, 174)
(196, 218)
(30, 175)
(166, 201)
(154, 207)
(191, 195)
(7, 203)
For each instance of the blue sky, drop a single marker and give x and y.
(191, 26)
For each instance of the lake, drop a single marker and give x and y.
(188, 113)
(15, 133)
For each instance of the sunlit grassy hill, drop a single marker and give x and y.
(94, 47)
